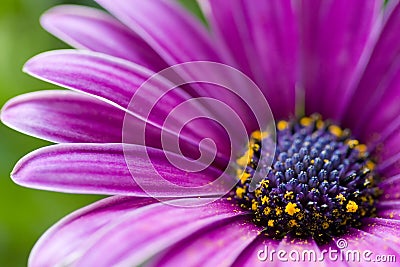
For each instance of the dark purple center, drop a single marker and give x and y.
(321, 181)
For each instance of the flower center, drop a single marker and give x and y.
(321, 181)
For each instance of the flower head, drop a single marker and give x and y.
(326, 171)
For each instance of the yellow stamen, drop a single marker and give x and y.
(352, 206)
(258, 135)
(341, 198)
(352, 143)
(254, 205)
(370, 165)
(240, 191)
(282, 125)
(267, 210)
(362, 148)
(264, 200)
(306, 121)
(245, 176)
(320, 124)
(291, 208)
(288, 195)
(257, 192)
(278, 211)
(264, 183)
(335, 130)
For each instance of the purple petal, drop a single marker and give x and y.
(172, 32)
(218, 245)
(373, 105)
(335, 36)
(64, 117)
(387, 229)
(362, 241)
(116, 82)
(252, 35)
(102, 169)
(299, 245)
(63, 241)
(176, 35)
(390, 187)
(111, 79)
(389, 206)
(249, 257)
(388, 154)
(89, 28)
(145, 232)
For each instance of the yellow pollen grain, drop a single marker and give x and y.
(352, 143)
(256, 147)
(264, 183)
(240, 191)
(291, 208)
(282, 125)
(306, 121)
(370, 165)
(362, 148)
(270, 223)
(320, 124)
(245, 177)
(256, 135)
(325, 225)
(278, 211)
(246, 158)
(363, 212)
(293, 223)
(242, 161)
(335, 130)
(254, 205)
(264, 200)
(352, 206)
(257, 192)
(288, 195)
(341, 198)
(267, 210)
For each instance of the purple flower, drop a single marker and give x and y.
(331, 74)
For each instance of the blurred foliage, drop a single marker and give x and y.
(25, 213)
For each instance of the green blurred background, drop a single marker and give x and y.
(25, 213)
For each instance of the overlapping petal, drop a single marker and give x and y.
(62, 243)
(334, 38)
(116, 81)
(363, 240)
(373, 105)
(218, 245)
(118, 227)
(64, 117)
(178, 38)
(172, 31)
(92, 29)
(103, 169)
(252, 35)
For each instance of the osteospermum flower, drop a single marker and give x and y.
(330, 73)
